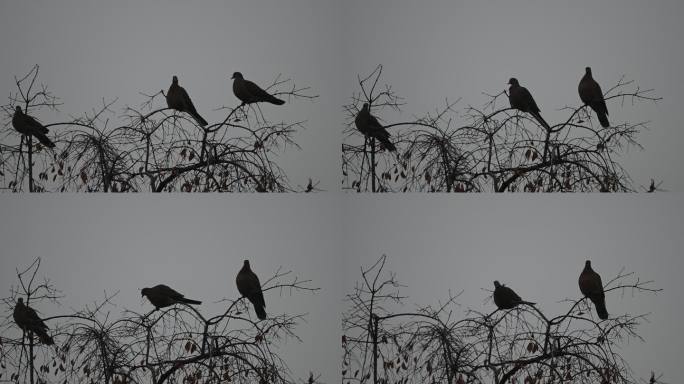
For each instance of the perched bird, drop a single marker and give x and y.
(177, 98)
(249, 93)
(506, 298)
(371, 127)
(163, 296)
(248, 285)
(591, 95)
(522, 100)
(27, 125)
(27, 319)
(590, 285)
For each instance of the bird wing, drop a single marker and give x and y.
(373, 123)
(34, 125)
(255, 91)
(250, 287)
(590, 283)
(511, 295)
(361, 123)
(173, 97)
(188, 106)
(584, 90)
(165, 290)
(591, 94)
(30, 319)
(19, 125)
(528, 100)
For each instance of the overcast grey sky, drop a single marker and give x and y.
(431, 50)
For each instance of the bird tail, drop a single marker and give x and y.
(44, 140)
(190, 301)
(199, 120)
(600, 304)
(387, 144)
(44, 337)
(260, 311)
(274, 100)
(541, 120)
(383, 137)
(603, 119)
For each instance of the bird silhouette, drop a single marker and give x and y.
(590, 93)
(163, 296)
(522, 100)
(506, 298)
(27, 319)
(249, 93)
(248, 285)
(27, 125)
(177, 98)
(371, 127)
(590, 285)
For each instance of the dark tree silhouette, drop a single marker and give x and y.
(173, 344)
(150, 148)
(490, 148)
(384, 342)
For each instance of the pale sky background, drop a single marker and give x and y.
(431, 50)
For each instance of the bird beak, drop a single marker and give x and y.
(232, 76)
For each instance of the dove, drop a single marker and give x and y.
(163, 296)
(590, 93)
(177, 98)
(27, 319)
(371, 127)
(522, 100)
(249, 93)
(248, 285)
(27, 125)
(590, 285)
(506, 298)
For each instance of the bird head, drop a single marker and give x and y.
(588, 70)
(246, 264)
(20, 301)
(365, 106)
(236, 75)
(175, 79)
(17, 109)
(513, 81)
(496, 284)
(587, 264)
(144, 291)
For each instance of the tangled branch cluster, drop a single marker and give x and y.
(495, 149)
(152, 150)
(385, 343)
(173, 344)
